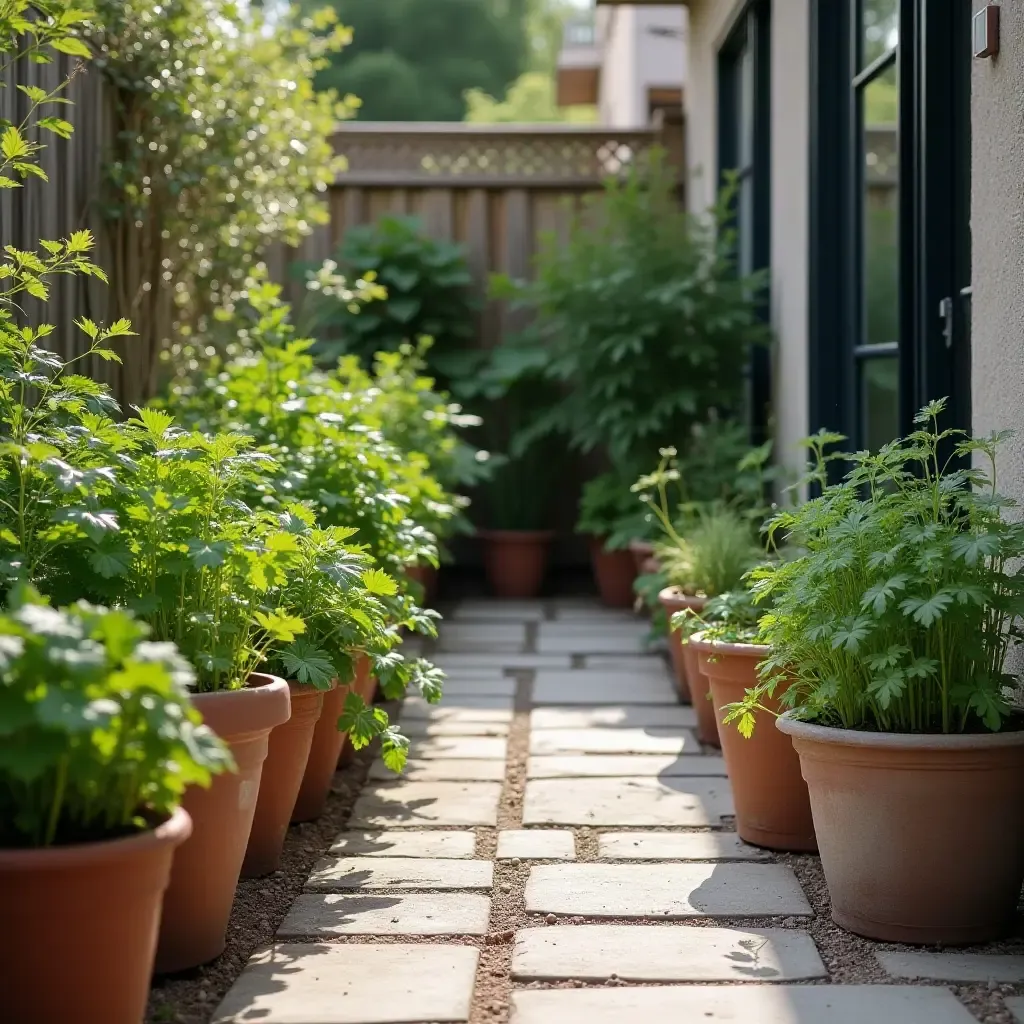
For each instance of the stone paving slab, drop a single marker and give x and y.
(353, 984)
(587, 610)
(536, 844)
(453, 661)
(581, 766)
(671, 740)
(631, 662)
(445, 770)
(1015, 1004)
(742, 1004)
(412, 804)
(676, 846)
(335, 874)
(650, 953)
(627, 802)
(587, 638)
(323, 915)
(665, 891)
(452, 726)
(635, 716)
(476, 686)
(479, 748)
(965, 967)
(603, 686)
(497, 611)
(487, 637)
(405, 843)
(466, 706)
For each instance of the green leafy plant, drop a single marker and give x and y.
(731, 617)
(424, 290)
(640, 318)
(220, 146)
(900, 611)
(608, 510)
(99, 737)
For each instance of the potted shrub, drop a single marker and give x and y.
(773, 809)
(197, 564)
(610, 518)
(99, 741)
(889, 633)
(516, 545)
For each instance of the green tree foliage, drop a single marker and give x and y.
(413, 60)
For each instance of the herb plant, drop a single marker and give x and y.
(640, 318)
(98, 737)
(424, 290)
(900, 611)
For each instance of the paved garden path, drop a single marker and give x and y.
(559, 852)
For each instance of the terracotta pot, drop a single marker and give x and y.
(650, 566)
(516, 560)
(283, 771)
(921, 837)
(323, 756)
(614, 572)
(426, 577)
(642, 552)
(673, 600)
(364, 684)
(80, 925)
(772, 806)
(206, 868)
(700, 695)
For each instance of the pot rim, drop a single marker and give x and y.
(297, 689)
(728, 647)
(674, 595)
(263, 703)
(833, 736)
(174, 829)
(516, 536)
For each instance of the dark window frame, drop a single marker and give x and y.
(933, 67)
(750, 32)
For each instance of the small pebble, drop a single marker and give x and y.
(516, 862)
(551, 919)
(506, 888)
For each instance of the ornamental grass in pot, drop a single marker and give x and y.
(889, 636)
(99, 741)
(704, 507)
(773, 808)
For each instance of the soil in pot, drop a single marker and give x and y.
(324, 751)
(206, 867)
(516, 561)
(773, 809)
(80, 926)
(673, 600)
(614, 572)
(283, 771)
(700, 695)
(921, 838)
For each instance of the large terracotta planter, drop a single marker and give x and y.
(643, 554)
(206, 868)
(614, 572)
(283, 771)
(322, 761)
(80, 926)
(772, 806)
(673, 600)
(921, 836)
(364, 683)
(700, 695)
(516, 560)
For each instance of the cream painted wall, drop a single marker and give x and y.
(634, 60)
(997, 240)
(710, 23)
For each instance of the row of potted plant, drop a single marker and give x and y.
(858, 676)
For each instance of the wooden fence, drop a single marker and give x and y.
(495, 189)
